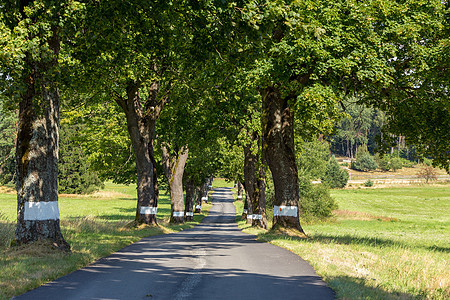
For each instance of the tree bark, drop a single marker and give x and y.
(205, 190)
(141, 127)
(255, 186)
(245, 210)
(279, 152)
(191, 195)
(198, 203)
(174, 169)
(37, 152)
(239, 190)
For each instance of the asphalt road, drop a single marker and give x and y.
(214, 260)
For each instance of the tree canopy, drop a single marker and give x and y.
(203, 75)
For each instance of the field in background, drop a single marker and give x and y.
(403, 175)
(94, 225)
(390, 243)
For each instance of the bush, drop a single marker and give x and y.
(384, 163)
(368, 183)
(335, 176)
(396, 163)
(315, 202)
(364, 163)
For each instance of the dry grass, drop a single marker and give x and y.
(362, 216)
(288, 232)
(97, 195)
(399, 173)
(7, 190)
(40, 248)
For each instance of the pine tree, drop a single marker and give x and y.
(335, 176)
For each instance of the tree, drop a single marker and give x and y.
(131, 51)
(31, 72)
(364, 161)
(255, 182)
(103, 134)
(75, 175)
(361, 125)
(8, 130)
(174, 161)
(335, 176)
(416, 100)
(427, 172)
(312, 157)
(307, 57)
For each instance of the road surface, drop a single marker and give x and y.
(214, 260)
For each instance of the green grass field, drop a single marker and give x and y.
(390, 243)
(94, 225)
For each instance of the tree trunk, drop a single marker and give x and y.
(141, 127)
(174, 169)
(255, 186)
(279, 151)
(37, 153)
(245, 211)
(198, 202)
(239, 190)
(205, 190)
(191, 194)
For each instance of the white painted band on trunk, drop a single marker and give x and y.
(204, 198)
(178, 214)
(239, 197)
(250, 217)
(257, 217)
(210, 186)
(244, 211)
(40, 211)
(189, 214)
(285, 211)
(198, 207)
(148, 210)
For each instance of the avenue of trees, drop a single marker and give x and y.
(180, 89)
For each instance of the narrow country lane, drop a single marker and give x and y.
(214, 260)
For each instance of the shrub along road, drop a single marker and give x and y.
(214, 260)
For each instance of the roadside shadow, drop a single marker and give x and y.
(352, 240)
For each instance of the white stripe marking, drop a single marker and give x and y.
(198, 207)
(148, 210)
(40, 211)
(239, 197)
(257, 217)
(204, 198)
(189, 214)
(285, 211)
(178, 214)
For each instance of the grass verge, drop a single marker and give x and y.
(388, 243)
(94, 225)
